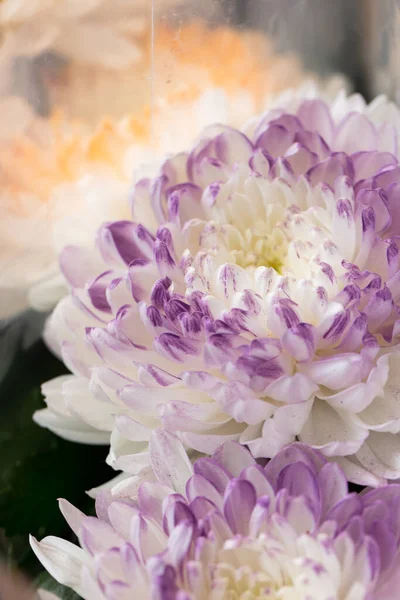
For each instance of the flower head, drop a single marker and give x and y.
(254, 297)
(232, 528)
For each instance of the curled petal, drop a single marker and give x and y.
(331, 431)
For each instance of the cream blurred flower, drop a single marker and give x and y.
(38, 167)
(178, 65)
(91, 31)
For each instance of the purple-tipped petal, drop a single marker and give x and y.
(120, 241)
(316, 117)
(239, 502)
(234, 458)
(275, 140)
(329, 170)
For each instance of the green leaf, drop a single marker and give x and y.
(37, 467)
(46, 582)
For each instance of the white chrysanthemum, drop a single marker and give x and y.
(253, 298)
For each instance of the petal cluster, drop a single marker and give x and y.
(232, 528)
(253, 297)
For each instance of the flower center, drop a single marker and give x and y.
(262, 250)
(268, 568)
(243, 584)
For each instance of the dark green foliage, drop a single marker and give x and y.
(46, 582)
(37, 467)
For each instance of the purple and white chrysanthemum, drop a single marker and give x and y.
(232, 528)
(255, 297)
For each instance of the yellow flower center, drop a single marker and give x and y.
(244, 584)
(262, 250)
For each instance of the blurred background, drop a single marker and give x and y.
(355, 37)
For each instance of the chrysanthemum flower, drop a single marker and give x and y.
(231, 528)
(254, 297)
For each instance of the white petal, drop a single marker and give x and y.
(296, 388)
(128, 487)
(83, 405)
(72, 515)
(287, 422)
(229, 280)
(169, 460)
(70, 429)
(234, 458)
(109, 485)
(332, 431)
(383, 414)
(353, 399)
(208, 444)
(358, 474)
(335, 372)
(63, 560)
(381, 454)
(90, 589)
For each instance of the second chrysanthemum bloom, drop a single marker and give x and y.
(231, 529)
(253, 297)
